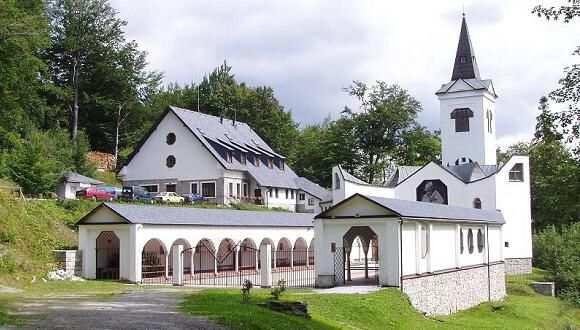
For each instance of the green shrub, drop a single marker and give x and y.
(558, 251)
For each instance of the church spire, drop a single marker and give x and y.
(465, 66)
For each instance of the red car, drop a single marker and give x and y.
(95, 193)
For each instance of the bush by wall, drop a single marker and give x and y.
(557, 250)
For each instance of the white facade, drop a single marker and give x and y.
(477, 144)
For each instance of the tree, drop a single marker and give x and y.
(23, 35)
(569, 92)
(96, 67)
(388, 112)
(419, 147)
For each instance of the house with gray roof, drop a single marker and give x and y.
(223, 160)
(71, 182)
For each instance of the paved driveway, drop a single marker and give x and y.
(148, 309)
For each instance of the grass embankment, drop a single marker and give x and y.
(30, 230)
(387, 308)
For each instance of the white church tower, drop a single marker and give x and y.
(467, 110)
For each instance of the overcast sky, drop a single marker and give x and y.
(308, 51)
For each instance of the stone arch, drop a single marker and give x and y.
(248, 254)
(226, 255)
(359, 272)
(204, 257)
(154, 259)
(283, 253)
(187, 256)
(300, 252)
(107, 253)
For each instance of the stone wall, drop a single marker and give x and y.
(454, 290)
(518, 266)
(69, 260)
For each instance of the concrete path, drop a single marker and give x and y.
(148, 309)
(349, 289)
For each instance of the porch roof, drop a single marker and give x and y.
(425, 211)
(174, 215)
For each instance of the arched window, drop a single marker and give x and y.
(424, 241)
(170, 161)
(480, 241)
(170, 139)
(336, 181)
(461, 117)
(461, 247)
(477, 203)
(470, 241)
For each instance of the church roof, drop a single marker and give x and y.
(465, 66)
(465, 75)
(313, 189)
(172, 215)
(426, 211)
(468, 172)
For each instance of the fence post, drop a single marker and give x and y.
(266, 265)
(177, 265)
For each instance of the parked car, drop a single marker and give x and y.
(136, 193)
(168, 197)
(115, 191)
(95, 193)
(192, 198)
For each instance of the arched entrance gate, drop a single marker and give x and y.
(357, 261)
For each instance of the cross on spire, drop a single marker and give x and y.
(465, 66)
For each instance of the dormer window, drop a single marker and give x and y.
(461, 117)
(242, 158)
(270, 163)
(517, 173)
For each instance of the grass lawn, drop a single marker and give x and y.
(387, 308)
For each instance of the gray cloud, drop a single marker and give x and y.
(309, 50)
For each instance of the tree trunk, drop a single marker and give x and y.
(117, 129)
(75, 108)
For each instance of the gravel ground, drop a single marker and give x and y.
(148, 309)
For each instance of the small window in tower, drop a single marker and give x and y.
(517, 173)
(477, 203)
(461, 117)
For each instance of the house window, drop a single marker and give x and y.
(517, 173)
(238, 190)
(336, 181)
(172, 187)
(276, 192)
(170, 161)
(310, 201)
(470, 241)
(292, 194)
(461, 247)
(270, 163)
(477, 203)
(208, 189)
(194, 188)
(301, 196)
(231, 189)
(424, 241)
(170, 138)
(480, 241)
(242, 158)
(461, 117)
(245, 188)
(152, 188)
(287, 193)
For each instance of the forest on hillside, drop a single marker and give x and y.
(71, 82)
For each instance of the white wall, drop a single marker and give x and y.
(281, 201)
(513, 200)
(193, 161)
(477, 144)
(348, 189)
(458, 192)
